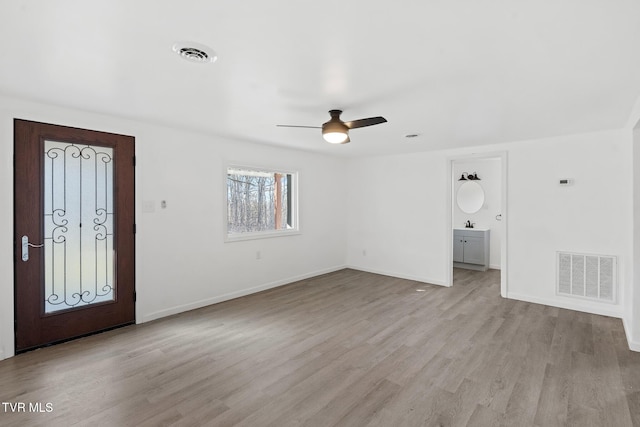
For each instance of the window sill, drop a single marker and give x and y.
(240, 237)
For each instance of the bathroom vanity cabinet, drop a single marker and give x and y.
(471, 248)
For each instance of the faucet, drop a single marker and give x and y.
(469, 224)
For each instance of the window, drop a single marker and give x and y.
(260, 203)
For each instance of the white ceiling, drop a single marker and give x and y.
(457, 72)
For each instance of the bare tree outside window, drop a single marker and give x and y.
(259, 201)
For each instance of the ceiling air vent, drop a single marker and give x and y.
(195, 52)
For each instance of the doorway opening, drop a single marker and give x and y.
(477, 223)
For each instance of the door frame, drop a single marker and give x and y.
(504, 240)
(125, 205)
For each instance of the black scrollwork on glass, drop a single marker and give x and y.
(78, 225)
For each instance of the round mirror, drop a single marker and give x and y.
(470, 197)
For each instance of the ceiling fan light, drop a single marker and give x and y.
(335, 137)
(335, 132)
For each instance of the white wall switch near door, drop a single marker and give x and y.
(148, 206)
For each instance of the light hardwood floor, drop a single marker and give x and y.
(347, 348)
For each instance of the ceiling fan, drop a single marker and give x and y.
(336, 131)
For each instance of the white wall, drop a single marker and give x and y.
(182, 261)
(632, 303)
(396, 215)
(489, 172)
(397, 208)
(189, 175)
(594, 215)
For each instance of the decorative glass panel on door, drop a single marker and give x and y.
(78, 225)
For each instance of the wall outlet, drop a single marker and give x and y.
(364, 252)
(258, 255)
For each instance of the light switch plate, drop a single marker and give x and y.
(148, 206)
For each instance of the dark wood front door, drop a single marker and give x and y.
(74, 232)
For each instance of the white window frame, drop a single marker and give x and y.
(252, 235)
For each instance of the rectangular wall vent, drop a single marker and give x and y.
(587, 276)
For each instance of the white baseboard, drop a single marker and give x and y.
(7, 350)
(495, 266)
(232, 295)
(399, 275)
(633, 345)
(613, 311)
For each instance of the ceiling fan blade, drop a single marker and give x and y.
(365, 122)
(295, 126)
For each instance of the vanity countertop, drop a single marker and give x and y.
(474, 228)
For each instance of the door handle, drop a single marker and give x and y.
(25, 248)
